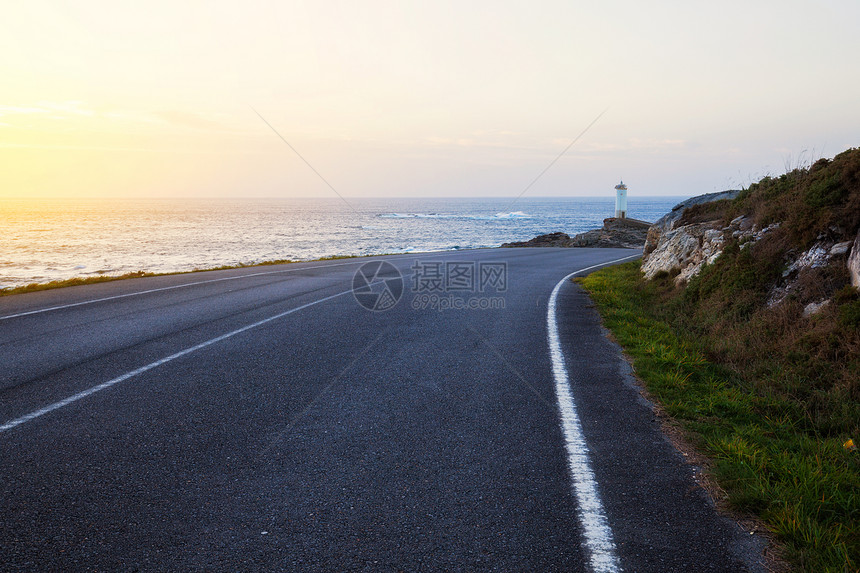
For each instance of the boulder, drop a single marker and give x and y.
(669, 221)
(854, 262)
(686, 248)
(840, 248)
(814, 308)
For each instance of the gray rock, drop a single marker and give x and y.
(669, 221)
(687, 249)
(816, 257)
(840, 248)
(616, 233)
(854, 262)
(744, 224)
(757, 235)
(557, 239)
(814, 308)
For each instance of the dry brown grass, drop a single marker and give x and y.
(823, 199)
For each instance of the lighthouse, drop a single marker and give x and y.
(621, 201)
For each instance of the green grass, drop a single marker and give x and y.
(772, 427)
(806, 201)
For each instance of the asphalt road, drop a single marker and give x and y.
(263, 419)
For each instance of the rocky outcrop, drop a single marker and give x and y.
(854, 262)
(670, 220)
(820, 255)
(687, 248)
(548, 240)
(615, 233)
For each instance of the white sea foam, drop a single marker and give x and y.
(513, 215)
(466, 216)
(416, 216)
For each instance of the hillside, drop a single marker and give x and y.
(744, 324)
(774, 264)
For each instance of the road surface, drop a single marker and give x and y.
(264, 419)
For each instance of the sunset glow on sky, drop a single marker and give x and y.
(397, 99)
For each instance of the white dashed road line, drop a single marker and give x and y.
(138, 293)
(356, 261)
(598, 536)
(103, 386)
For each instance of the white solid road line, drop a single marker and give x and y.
(598, 536)
(592, 517)
(56, 405)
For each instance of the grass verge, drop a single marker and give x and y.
(776, 448)
(78, 281)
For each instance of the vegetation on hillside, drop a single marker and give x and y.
(771, 395)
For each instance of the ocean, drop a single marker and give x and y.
(42, 241)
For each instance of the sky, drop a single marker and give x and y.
(415, 99)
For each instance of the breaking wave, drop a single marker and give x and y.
(497, 216)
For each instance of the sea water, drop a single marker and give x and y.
(48, 240)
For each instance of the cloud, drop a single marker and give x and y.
(55, 110)
(119, 148)
(76, 109)
(484, 139)
(20, 110)
(188, 119)
(631, 144)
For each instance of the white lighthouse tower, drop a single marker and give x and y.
(621, 201)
